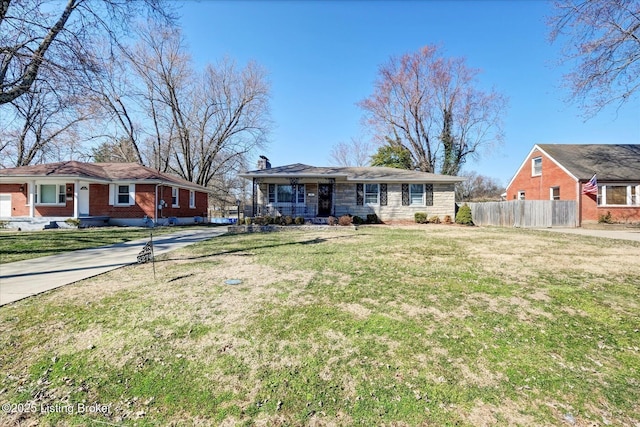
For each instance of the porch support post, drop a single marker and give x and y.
(332, 181)
(253, 198)
(294, 196)
(76, 207)
(32, 199)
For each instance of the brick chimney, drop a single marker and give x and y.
(263, 163)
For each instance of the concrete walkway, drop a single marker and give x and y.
(624, 234)
(23, 279)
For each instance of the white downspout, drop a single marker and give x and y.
(155, 218)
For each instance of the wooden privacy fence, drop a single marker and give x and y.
(526, 213)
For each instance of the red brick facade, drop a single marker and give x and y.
(539, 187)
(99, 204)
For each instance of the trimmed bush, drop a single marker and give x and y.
(373, 219)
(299, 220)
(345, 220)
(420, 217)
(332, 220)
(435, 219)
(464, 215)
(447, 219)
(357, 220)
(288, 220)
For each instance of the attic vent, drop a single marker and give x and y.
(263, 163)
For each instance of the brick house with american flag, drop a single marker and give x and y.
(602, 178)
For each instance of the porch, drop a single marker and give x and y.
(295, 197)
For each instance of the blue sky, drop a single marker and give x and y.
(322, 58)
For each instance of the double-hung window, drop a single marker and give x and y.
(175, 192)
(192, 199)
(554, 193)
(416, 194)
(536, 166)
(123, 195)
(371, 192)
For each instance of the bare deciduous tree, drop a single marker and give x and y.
(603, 40)
(431, 106)
(114, 102)
(478, 188)
(39, 126)
(357, 152)
(40, 34)
(203, 122)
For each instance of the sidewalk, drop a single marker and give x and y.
(23, 279)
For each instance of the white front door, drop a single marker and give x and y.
(83, 199)
(5, 205)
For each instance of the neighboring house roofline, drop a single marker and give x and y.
(611, 162)
(97, 173)
(560, 165)
(526, 162)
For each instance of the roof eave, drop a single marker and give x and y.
(446, 179)
(249, 175)
(6, 179)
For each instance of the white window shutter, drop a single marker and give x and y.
(112, 194)
(132, 194)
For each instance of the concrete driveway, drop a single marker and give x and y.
(23, 279)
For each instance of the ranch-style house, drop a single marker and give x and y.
(319, 192)
(98, 194)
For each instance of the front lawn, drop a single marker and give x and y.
(430, 325)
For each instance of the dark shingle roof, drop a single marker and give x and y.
(611, 162)
(106, 172)
(299, 170)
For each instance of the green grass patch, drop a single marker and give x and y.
(18, 246)
(379, 326)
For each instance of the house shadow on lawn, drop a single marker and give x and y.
(239, 251)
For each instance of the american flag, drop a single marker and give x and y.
(591, 187)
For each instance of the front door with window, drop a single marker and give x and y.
(83, 199)
(325, 199)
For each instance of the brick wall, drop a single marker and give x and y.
(145, 203)
(591, 212)
(99, 203)
(538, 187)
(19, 200)
(183, 210)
